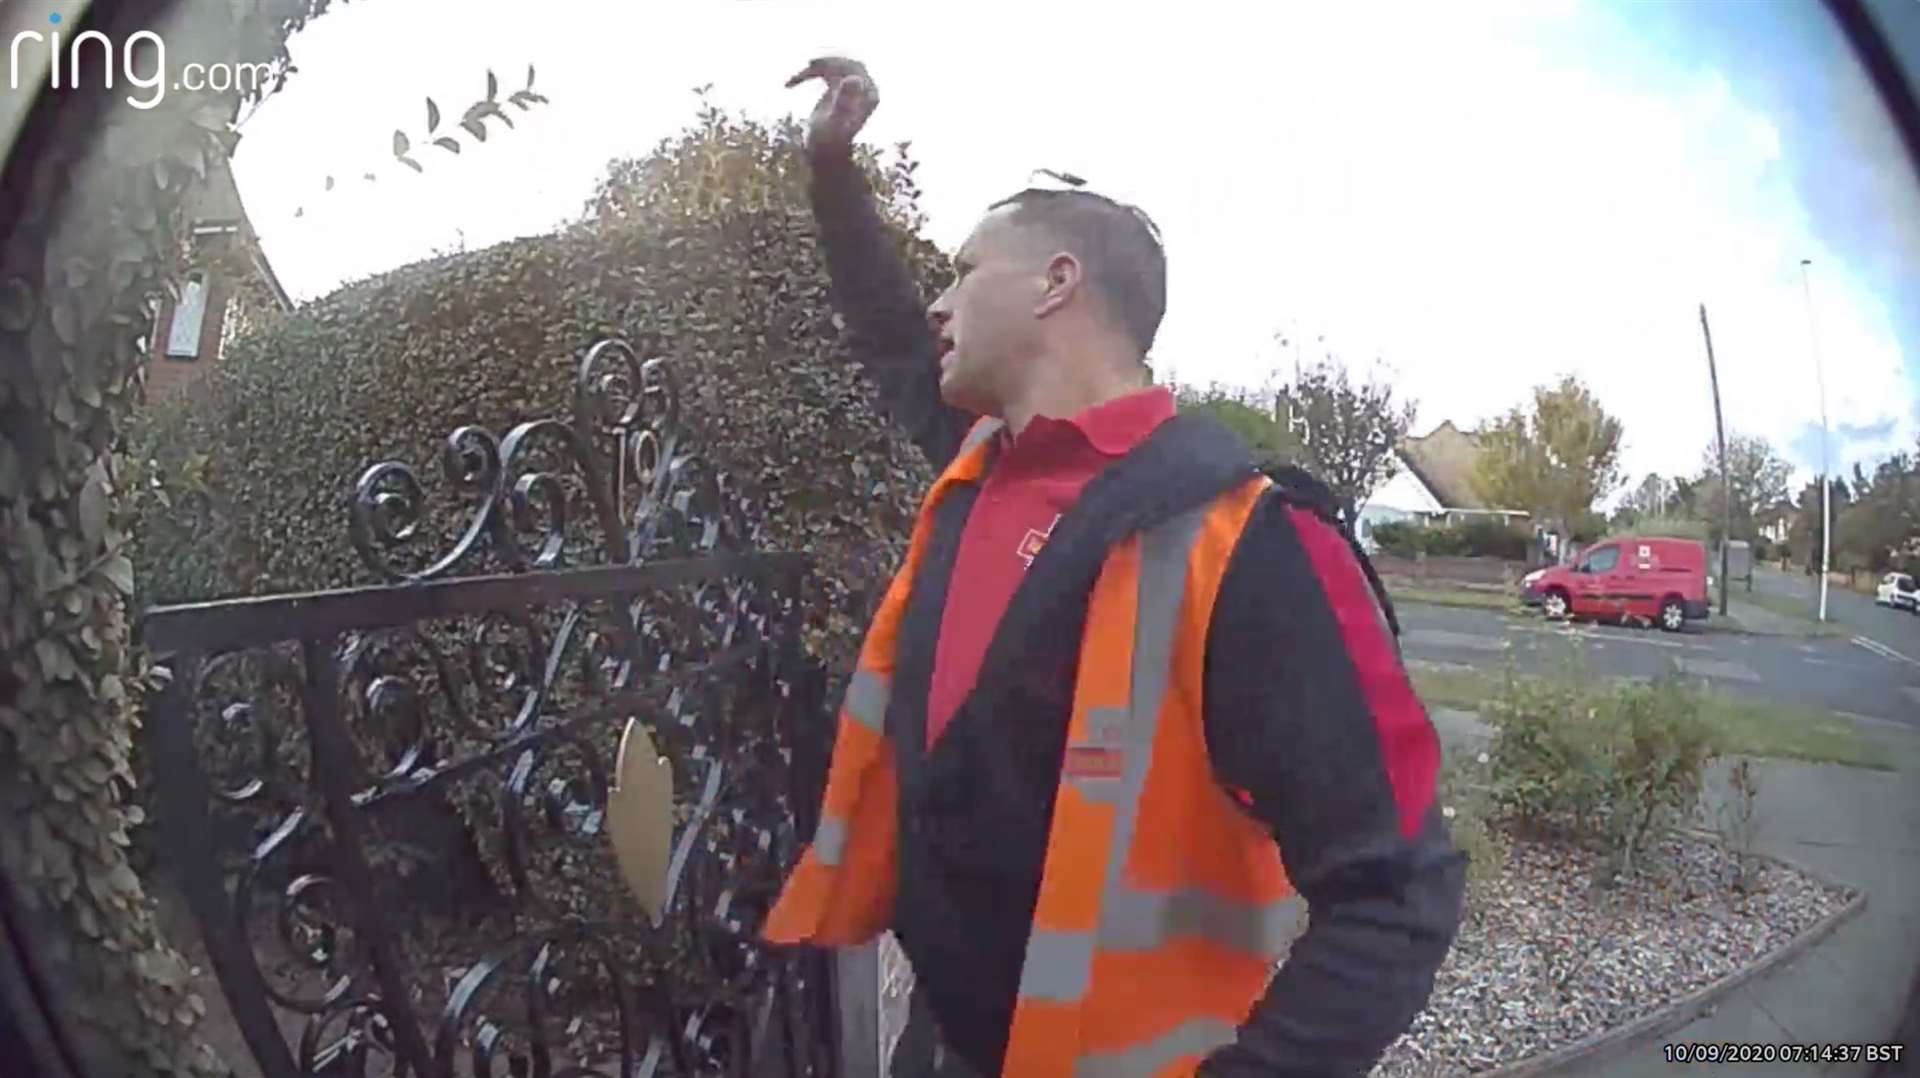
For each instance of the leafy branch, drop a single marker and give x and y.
(473, 120)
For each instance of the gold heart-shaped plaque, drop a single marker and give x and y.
(640, 818)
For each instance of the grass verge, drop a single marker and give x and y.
(1471, 598)
(1451, 686)
(1746, 727)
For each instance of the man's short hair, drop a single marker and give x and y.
(1117, 244)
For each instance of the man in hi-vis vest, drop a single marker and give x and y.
(1130, 707)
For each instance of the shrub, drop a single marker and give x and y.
(1589, 528)
(1496, 539)
(1668, 527)
(1467, 804)
(1474, 539)
(1608, 763)
(703, 253)
(1737, 822)
(1399, 538)
(1443, 541)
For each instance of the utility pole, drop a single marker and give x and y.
(1826, 480)
(1726, 480)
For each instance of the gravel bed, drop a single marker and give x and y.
(1544, 959)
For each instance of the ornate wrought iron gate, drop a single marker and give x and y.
(388, 806)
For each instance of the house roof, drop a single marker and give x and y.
(215, 203)
(1444, 460)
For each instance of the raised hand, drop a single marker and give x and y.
(850, 98)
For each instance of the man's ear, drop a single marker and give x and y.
(1063, 278)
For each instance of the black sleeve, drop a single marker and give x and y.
(885, 315)
(1310, 714)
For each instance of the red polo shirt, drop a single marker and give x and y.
(1035, 479)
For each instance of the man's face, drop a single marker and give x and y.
(989, 317)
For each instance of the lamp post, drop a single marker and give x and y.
(1826, 480)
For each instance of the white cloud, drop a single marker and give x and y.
(1482, 203)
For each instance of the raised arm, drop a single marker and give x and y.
(873, 288)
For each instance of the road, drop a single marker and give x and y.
(1894, 629)
(1833, 674)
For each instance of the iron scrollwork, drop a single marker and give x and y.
(396, 826)
(535, 497)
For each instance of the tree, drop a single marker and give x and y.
(1685, 499)
(1651, 496)
(1556, 457)
(1346, 430)
(1867, 534)
(1806, 531)
(1342, 431)
(1758, 476)
(1248, 413)
(1881, 528)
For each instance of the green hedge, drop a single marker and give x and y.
(1667, 528)
(1474, 539)
(704, 253)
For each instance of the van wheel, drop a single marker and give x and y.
(1556, 605)
(1673, 616)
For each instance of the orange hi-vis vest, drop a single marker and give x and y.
(1163, 906)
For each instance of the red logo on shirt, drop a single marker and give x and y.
(1034, 540)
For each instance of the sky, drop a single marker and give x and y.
(1468, 200)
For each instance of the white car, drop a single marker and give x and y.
(1899, 591)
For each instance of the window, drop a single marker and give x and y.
(1601, 561)
(183, 338)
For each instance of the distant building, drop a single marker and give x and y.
(225, 285)
(1433, 485)
(1776, 521)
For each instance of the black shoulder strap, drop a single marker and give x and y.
(1187, 462)
(1297, 486)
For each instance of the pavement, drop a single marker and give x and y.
(1857, 827)
(1743, 616)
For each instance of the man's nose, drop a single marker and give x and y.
(938, 315)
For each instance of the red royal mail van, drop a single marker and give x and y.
(1661, 580)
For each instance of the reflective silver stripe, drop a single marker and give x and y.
(1134, 920)
(830, 841)
(866, 701)
(1050, 966)
(981, 431)
(1058, 967)
(1164, 552)
(1196, 1037)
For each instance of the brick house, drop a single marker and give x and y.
(225, 285)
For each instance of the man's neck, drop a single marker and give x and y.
(1068, 405)
(1076, 385)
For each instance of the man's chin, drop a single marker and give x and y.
(954, 390)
